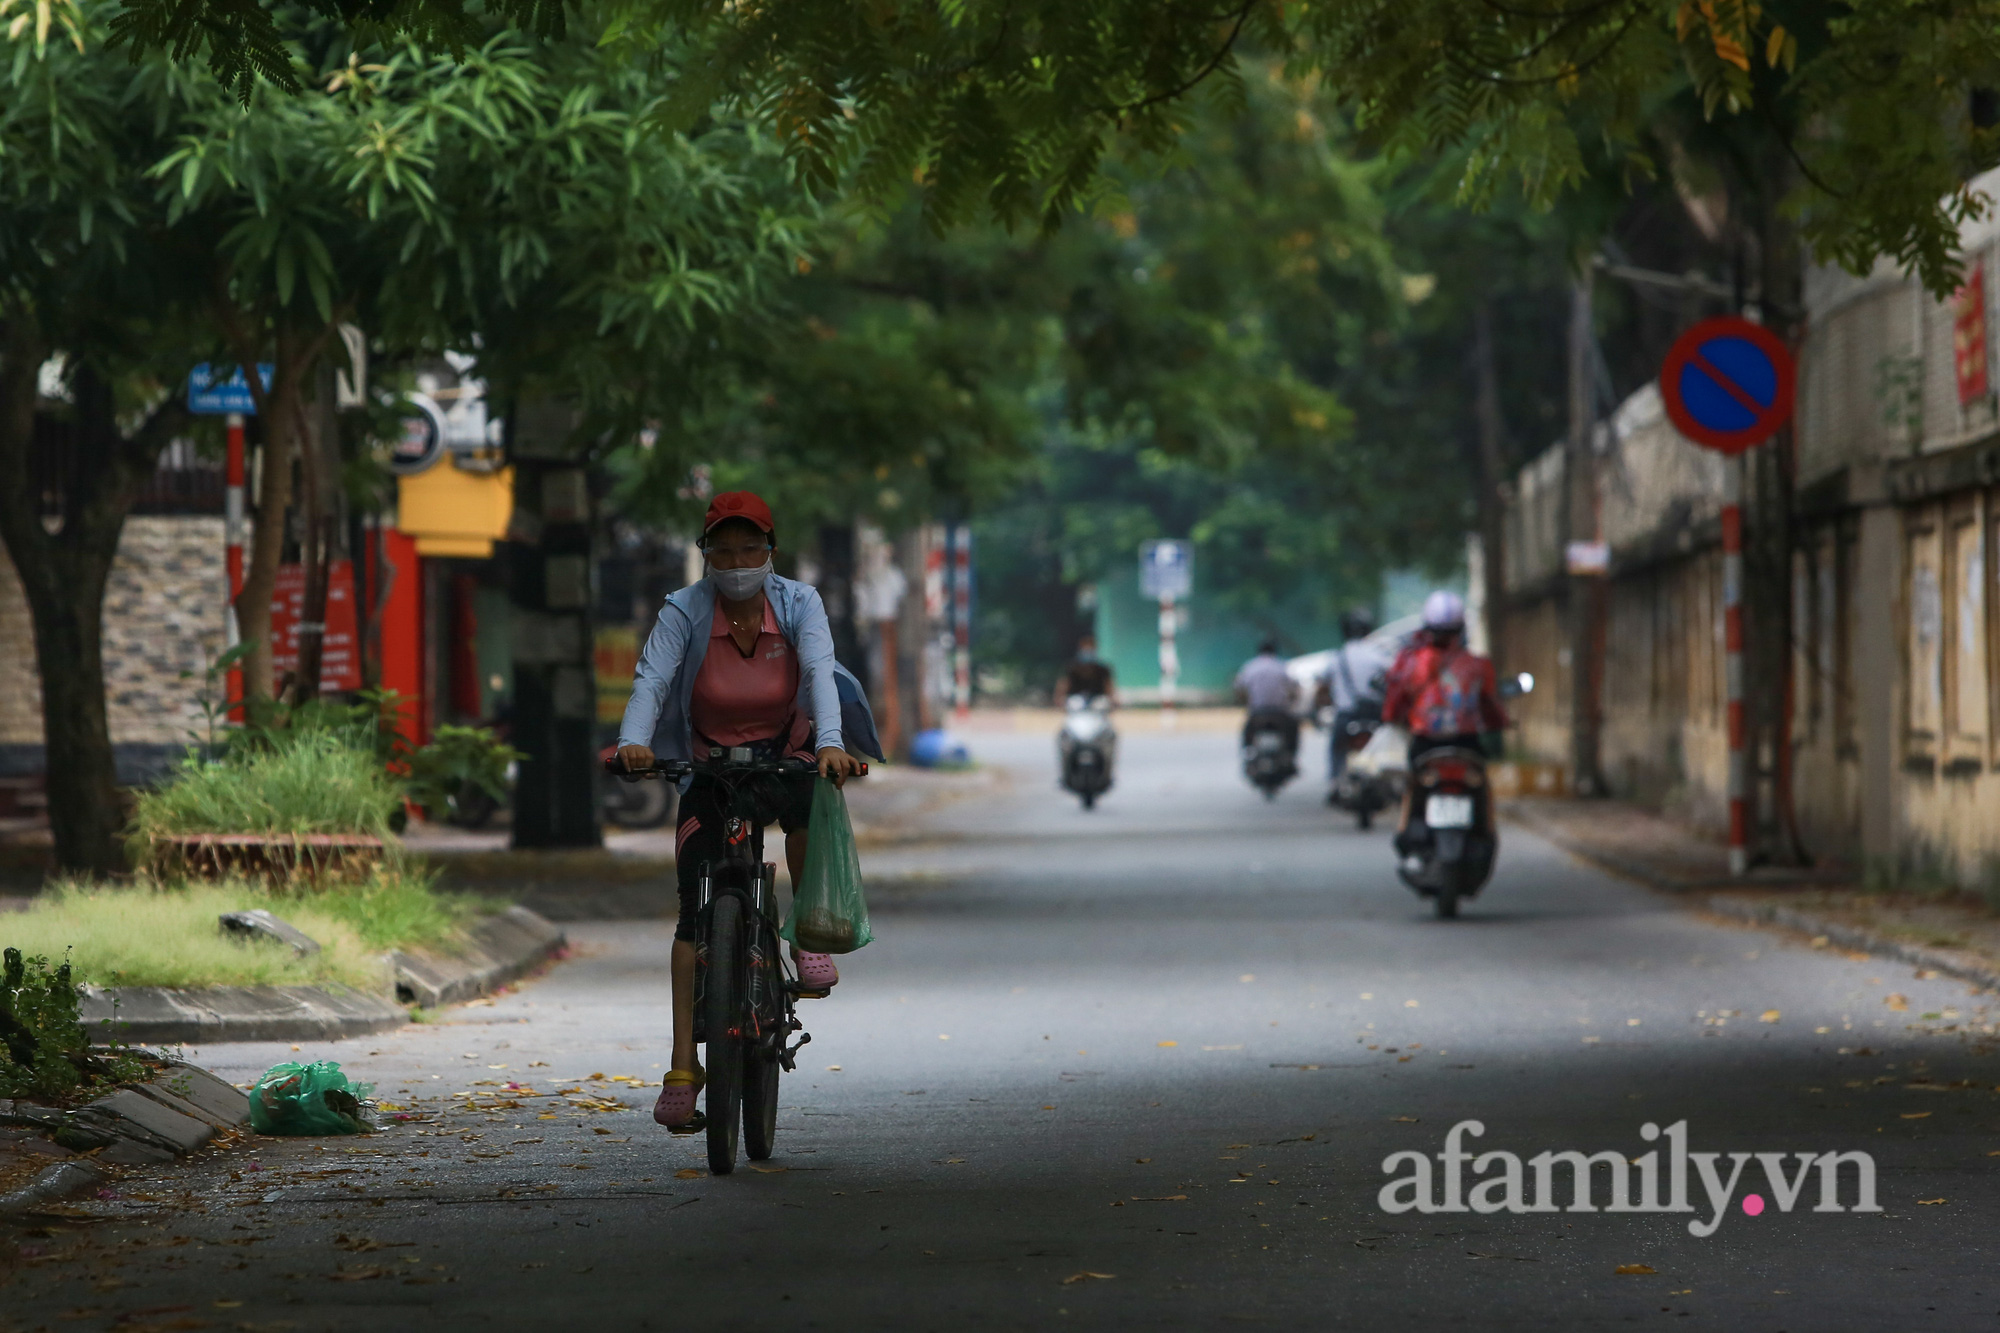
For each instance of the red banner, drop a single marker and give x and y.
(340, 664)
(1968, 338)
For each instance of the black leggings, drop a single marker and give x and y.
(784, 799)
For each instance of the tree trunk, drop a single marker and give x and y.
(1585, 591)
(281, 408)
(1771, 538)
(314, 508)
(63, 575)
(1492, 475)
(267, 534)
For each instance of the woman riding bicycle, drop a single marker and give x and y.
(742, 658)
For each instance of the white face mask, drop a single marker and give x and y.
(740, 584)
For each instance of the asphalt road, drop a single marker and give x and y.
(1135, 1068)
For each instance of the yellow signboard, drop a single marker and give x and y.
(452, 512)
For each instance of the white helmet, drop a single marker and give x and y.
(1444, 611)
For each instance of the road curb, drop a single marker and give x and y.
(1717, 896)
(158, 1016)
(498, 949)
(62, 1181)
(174, 1114)
(1855, 937)
(1629, 867)
(502, 947)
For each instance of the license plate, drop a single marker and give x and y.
(1448, 812)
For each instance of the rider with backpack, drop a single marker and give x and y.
(1442, 692)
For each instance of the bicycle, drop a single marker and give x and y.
(745, 990)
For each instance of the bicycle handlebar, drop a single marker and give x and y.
(680, 768)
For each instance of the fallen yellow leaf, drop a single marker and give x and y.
(1632, 1270)
(1915, 1115)
(1169, 1043)
(1769, 1016)
(1085, 1277)
(1930, 1201)
(1410, 1004)
(1899, 1003)
(688, 1174)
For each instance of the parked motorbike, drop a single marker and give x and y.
(1447, 852)
(1270, 752)
(632, 805)
(629, 805)
(1087, 747)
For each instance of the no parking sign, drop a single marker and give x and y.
(1728, 384)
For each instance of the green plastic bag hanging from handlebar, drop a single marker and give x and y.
(315, 1098)
(829, 913)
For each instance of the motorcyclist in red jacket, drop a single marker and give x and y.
(1440, 691)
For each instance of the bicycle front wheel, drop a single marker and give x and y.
(723, 994)
(760, 1104)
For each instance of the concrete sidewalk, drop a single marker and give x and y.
(1947, 933)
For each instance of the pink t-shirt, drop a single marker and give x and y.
(739, 699)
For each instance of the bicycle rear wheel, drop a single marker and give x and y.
(723, 993)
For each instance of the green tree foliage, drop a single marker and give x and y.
(517, 201)
(1207, 361)
(1010, 108)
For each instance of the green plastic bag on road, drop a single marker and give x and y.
(296, 1099)
(829, 913)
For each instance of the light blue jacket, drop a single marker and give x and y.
(661, 707)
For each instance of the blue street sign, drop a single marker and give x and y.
(209, 396)
(1166, 569)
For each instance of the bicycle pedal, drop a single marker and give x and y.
(694, 1126)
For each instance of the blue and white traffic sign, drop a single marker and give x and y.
(210, 396)
(1166, 569)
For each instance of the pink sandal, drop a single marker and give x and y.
(816, 971)
(675, 1107)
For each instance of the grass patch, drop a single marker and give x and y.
(148, 934)
(393, 909)
(317, 784)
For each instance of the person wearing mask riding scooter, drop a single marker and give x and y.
(1087, 675)
(1442, 692)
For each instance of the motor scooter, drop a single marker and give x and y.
(1447, 852)
(1270, 752)
(1363, 788)
(1087, 747)
(1376, 771)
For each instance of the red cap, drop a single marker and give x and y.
(738, 504)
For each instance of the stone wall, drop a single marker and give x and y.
(163, 616)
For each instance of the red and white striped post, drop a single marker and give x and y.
(1732, 630)
(232, 537)
(961, 617)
